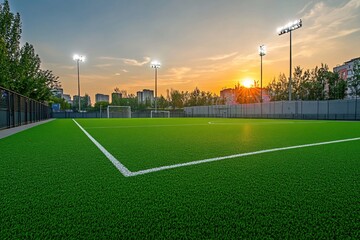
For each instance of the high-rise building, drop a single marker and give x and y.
(346, 71)
(101, 97)
(146, 96)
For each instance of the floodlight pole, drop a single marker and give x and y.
(155, 89)
(155, 65)
(78, 59)
(290, 74)
(262, 52)
(78, 72)
(288, 29)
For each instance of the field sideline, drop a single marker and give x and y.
(128, 173)
(276, 179)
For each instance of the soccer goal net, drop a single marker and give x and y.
(118, 111)
(160, 114)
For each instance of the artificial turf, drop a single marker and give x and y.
(56, 184)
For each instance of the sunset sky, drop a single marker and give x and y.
(210, 44)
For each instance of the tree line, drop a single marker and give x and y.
(20, 69)
(176, 99)
(316, 84)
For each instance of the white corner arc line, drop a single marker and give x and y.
(127, 173)
(124, 171)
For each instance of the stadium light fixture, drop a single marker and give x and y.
(288, 28)
(155, 65)
(262, 52)
(78, 59)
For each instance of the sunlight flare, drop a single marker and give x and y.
(248, 83)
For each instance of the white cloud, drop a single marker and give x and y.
(221, 57)
(133, 62)
(105, 65)
(179, 72)
(305, 7)
(127, 61)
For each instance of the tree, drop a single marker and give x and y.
(63, 104)
(177, 99)
(278, 90)
(20, 66)
(319, 75)
(103, 105)
(162, 102)
(317, 84)
(10, 33)
(336, 86)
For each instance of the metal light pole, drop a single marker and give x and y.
(155, 65)
(288, 28)
(262, 52)
(78, 59)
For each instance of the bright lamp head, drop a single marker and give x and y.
(155, 64)
(262, 50)
(79, 58)
(290, 27)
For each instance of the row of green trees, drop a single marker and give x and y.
(316, 84)
(176, 99)
(20, 66)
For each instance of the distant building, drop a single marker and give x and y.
(85, 101)
(228, 95)
(58, 92)
(115, 97)
(146, 96)
(101, 97)
(67, 98)
(345, 71)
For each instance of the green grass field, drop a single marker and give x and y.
(55, 183)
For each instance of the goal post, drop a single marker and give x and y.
(159, 114)
(118, 111)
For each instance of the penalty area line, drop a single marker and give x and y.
(124, 171)
(157, 169)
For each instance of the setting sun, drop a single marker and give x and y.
(248, 83)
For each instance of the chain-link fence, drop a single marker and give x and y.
(16, 110)
(331, 109)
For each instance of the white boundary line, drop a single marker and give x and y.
(124, 171)
(127, 173)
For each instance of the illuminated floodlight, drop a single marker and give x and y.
(155, 64)
(262, 50)
(79, 58)
(290, 27)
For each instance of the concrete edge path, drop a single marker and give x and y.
(10, 131)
